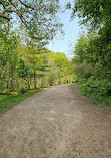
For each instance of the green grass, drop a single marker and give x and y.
(8, 101)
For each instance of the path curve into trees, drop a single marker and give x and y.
(56, 123)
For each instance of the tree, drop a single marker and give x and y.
(60, 61)
(97, 15)
(92, 52)
(93, 13)
(38, 17)
(22, 70)
(8, 57)
(36, 59)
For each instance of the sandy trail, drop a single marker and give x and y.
(56, 123)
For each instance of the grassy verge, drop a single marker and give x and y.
(7, 101)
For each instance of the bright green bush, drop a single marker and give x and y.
(100, 91)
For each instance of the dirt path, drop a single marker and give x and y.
(56, 123)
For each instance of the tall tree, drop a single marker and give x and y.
(36, 60)
(22, 70)
(8, 57)
(60, 61)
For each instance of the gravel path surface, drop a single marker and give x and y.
(56, 123)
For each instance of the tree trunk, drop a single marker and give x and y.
(30, 80)
(28, 83)
(34, 79)
(46, 83)
(62, 80)
(22, 82)
(2, 87)
(7, 85)
(8, 82)
(1, 80)
(71, 79)
(16, 85)
(59, 80)
(11, 82)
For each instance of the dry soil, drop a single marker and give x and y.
(56, 123)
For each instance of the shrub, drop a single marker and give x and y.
(97, 90)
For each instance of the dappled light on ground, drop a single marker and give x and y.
(51, 118)
(68, 116)
(52, 112)
(110, 116)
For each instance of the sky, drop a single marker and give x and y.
(71, 29)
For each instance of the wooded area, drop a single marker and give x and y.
(26, 63)
(24, 60)
(53, 118)
(29, 66)
(92, 61)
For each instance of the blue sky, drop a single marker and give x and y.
(71, 30)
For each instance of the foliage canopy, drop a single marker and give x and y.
(39, 17)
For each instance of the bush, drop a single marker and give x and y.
(97, 90)
(80, 80)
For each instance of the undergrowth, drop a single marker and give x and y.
(98, 91)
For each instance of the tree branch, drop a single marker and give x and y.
(8, 10)
(20, 16)
(8, 18)
(2, 16)
(26, 5)
(5, 17)
(17, 12)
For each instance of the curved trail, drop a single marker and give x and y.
(56, 123)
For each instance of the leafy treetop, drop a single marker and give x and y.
(38, 16)
(93, 13)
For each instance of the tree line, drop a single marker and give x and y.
(92, 53)
(29, 65)
(24, 58)
(26, 27)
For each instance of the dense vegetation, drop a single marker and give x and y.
(26, 27)
(25, 62)
(29, 66)
(92, 61)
